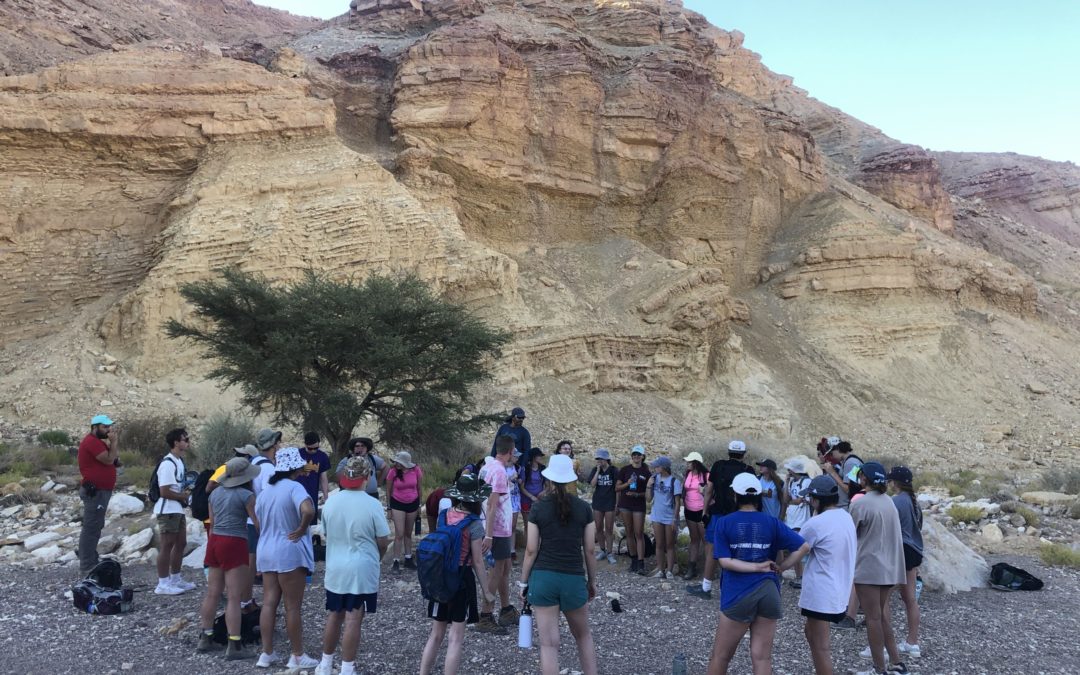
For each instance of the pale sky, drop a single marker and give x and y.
(970, 75)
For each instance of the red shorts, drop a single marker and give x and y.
(525, 506)
(226, 552)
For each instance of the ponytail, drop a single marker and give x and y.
(915, 508)
(562, 503)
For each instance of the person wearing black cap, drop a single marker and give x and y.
(911, 520)
(514, 426)
(829, 568)
(315, 478)
(879, 563)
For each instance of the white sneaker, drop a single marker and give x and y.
(323, 669)
(600, 554)
(267, 660)
(865, 653)
(911, 650)
(302, 661)
(166, 588)
(182, 585)
(612, 559)
(659, 574)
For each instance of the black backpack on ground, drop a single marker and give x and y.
(101, 591)
(200, 499)
(1005, 577)
(249, 629)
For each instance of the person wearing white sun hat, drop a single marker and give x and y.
(284, 511)
(797, 508)
(560, 540)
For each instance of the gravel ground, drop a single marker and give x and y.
(984, 631)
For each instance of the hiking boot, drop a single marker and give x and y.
(508, 616)
(911, 650)
(237, 652)
(847, 623)
(410, 563)
(396, 568)
(633, 566)
(612, 560)
(487, 624)
(206, 643)
(642, 569)
(691, 572)
(696, 591)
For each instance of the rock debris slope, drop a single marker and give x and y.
(686, 246)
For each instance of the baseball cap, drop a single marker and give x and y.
(637, 450)
(736, 447)
(824, 486)
(767, 463)
(694, 457)
(875, 472)
(661, 462)
(602, 453)
(900, 474)
(101, 419)
(746, 484)
(518, 412)
(356, 473)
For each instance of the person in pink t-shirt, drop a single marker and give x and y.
(697, 477)
(498, 537)
(403, 489)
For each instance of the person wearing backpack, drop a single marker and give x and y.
(459, 526)
(559, 570)
(231, 506)
(169, 509)
(357, 536)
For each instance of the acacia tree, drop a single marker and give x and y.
(323, 354)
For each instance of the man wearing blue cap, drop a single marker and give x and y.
(97, 464)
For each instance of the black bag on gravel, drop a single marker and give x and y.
(249, 629)
(93, 598)
(107, 574)
(1005, 577)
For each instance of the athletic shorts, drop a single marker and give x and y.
(411, 507)
(548, 589)
(501, 547)
(693, 516)
(525, 506)
(712, 527)
(761, 602)
(252, 539)
(170, 523)
(822, 616)
(625, 509)
(226, 552)
(347, 602)
(912, 558)
(462, 608)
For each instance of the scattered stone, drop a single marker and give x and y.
(36, 541)
(1036, 387)
(31, 512)
(47, 554)
(10, 511)
(108, 544)
(992, 534)
(175, 627)
(48, 485)
(136, 542)
(124, 505)
(1048, 498)
(194, 560)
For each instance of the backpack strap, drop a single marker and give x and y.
(256, 462)
(166, 458)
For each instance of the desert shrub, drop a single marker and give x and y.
(137, 476)
(1031, 518)
(48, 459)
(145, 436)
(1059, 555)
(1065, 480)
(441, 464)
(55, 437)
(964, 482)
(965, 514)
(1074, 510)
(220, 434)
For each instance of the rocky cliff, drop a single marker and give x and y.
(686, 246)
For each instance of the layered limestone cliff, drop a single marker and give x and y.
(685, 246)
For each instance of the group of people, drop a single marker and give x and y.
(849, 544)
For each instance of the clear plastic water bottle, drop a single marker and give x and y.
(489, 559)
(678, 664)
(918, 588)
(525, 626)
(633, 482)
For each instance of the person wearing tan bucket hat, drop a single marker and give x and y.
(404, 494)
(231, 504)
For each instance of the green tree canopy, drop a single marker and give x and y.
(323, 354)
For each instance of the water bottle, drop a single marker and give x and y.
(489, 559)
(525, 626)
(633, 482)
(918, 588)
(678, 664)
(416, 528)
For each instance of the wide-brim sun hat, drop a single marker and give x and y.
(746, 484)
(266, 438)
(238, 471)
(560, 469)
(694, 457)
(404, 459)
(469, 489)
(288, 459)
(249, 450)
(796, 465)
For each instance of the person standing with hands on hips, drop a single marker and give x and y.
(98, 459)
(560, 539)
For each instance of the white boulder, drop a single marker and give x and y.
(195, 559)
(47, 554)
(196, 533)
(39, 540)
(1042, 498)
(124, 505)
(136, 542)
(992, 534)
(949, 565)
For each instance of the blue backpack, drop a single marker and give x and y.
(437, 557)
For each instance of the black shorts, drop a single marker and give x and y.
(411, 507)
(912, 558)
(462, 608)
(347, 602)
(821, 616)
(693, 516)
(502, 547)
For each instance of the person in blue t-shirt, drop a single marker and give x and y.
(746, 543)
(514, 426)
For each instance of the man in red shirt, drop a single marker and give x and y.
(97, 464)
